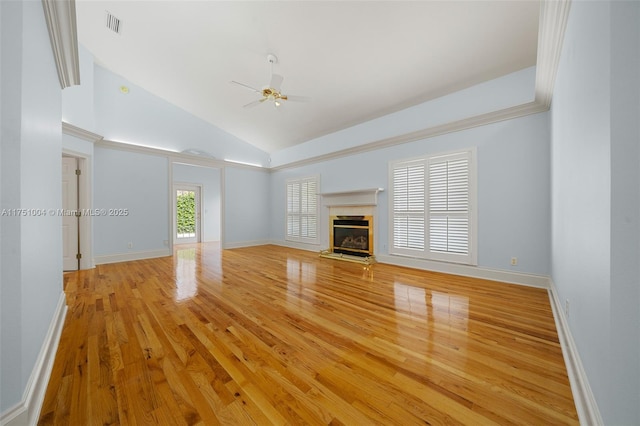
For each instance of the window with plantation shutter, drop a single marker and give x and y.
(302, 210)
(432, 207)
(408, 207)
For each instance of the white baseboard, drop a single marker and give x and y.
(296, 245)
(540, 281)
(586, 406)
(530, 280)
(27, 411)
(135, 255)
(241, 244)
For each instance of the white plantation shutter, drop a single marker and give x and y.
(432, 207)
(408, 206)
(448, 200)
(302, 209)
(309, 209)
(293, 209)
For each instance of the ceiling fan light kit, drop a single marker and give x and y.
(271, 92)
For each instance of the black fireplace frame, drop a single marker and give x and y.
(364, 224)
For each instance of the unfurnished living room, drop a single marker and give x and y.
(318, 212)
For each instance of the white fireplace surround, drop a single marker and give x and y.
(361, 202)
(359, 197)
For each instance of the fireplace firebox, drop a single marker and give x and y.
(352, 235)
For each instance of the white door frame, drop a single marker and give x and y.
(85, 198)
(70, 221)
(199, 219)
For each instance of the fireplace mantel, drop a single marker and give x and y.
(359, 197)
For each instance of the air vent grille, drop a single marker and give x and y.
(112, 22)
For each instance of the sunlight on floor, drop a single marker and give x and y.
(186, 283)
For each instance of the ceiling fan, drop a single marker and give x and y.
(271, 92)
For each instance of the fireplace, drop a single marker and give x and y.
(352, 235)
(351, 215)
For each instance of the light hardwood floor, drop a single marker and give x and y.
(269, 335)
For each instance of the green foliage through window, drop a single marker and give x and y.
(186, 212)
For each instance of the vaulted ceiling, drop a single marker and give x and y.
(353, 60)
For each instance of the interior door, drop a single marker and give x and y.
(186, 214)
(70, 222)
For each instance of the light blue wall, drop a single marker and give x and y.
(246, 206)
(595, 199)
(137, 182)
(11, 380)
(209, 179)
(625, 209)
(139, 117)
(77, 145)
(507, 91)
(513, 189)
(31, 260)
(140, 182)
(364, 171)
(11, 387)
(77, 101)
(144, 119)
(582, 205)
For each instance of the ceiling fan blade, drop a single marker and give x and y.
(276, 82)
(246, 86)
(295, 98)
(254, 103)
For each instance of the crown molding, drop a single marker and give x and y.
(60, 16)
(430, 132)
(105, 143)
(71, 130)
(173, 156)
(554, 15)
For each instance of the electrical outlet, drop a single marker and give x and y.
(514, 261)
(129, 244)
(566, 308)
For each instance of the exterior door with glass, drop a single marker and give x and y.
(186, 205)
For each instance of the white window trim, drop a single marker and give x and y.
(316, 240)
(468, 259)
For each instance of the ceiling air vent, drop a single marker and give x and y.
(112, 22)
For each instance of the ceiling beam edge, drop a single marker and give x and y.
(430, 132)
(60, 16)
(175, 157)
(71, 130)
(554, 15)
(61, 21)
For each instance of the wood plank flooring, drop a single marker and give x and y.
(269, 335)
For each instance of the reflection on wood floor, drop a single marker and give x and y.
(269, 335)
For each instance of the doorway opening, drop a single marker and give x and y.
(76, 199)
(70, 214)
(208, 180)
(186, 205)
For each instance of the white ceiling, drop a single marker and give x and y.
(355, 60)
